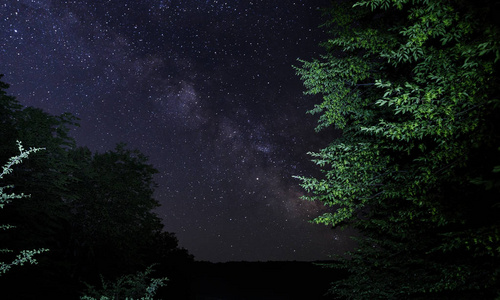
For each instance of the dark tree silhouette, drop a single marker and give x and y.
(94, 211)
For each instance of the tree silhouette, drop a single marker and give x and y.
(94, 211)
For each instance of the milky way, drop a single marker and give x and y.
(206, 89)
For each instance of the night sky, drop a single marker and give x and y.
(206, 89)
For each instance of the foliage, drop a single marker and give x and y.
(413, 85)
(128, 287)
(42, 220)
(94, 211)
(115, 189)
(25, 256)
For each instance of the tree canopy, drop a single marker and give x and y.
(413, 85)
(93, 211)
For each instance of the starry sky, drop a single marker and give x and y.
(206, 89)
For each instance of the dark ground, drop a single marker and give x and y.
(199, 281)
(254, 280)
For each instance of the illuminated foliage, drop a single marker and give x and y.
(24, 256)
(413, 85)
(128, 287)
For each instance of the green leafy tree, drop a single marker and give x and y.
(413, 85)
(24, 256)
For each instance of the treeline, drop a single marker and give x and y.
(93, 211)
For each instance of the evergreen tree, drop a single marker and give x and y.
(413, 85)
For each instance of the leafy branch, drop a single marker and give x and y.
(24, 256)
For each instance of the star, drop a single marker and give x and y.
(206, 90)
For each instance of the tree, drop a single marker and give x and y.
(25, 256)
(413, 86)
(42, 220)
(112, 211)
(93, 211)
